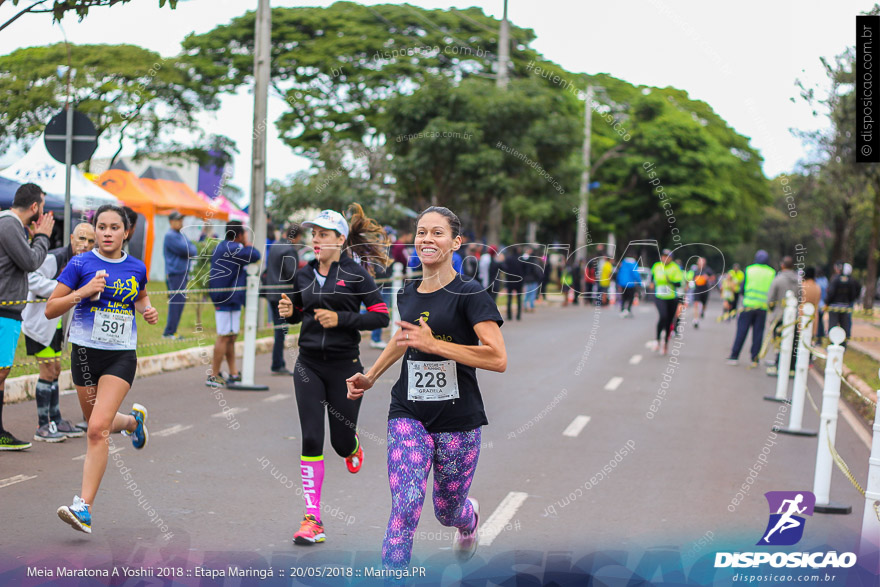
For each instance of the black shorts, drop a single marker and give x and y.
(87, 365)
(32, 347)
(702, 297)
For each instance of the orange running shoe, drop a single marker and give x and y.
(310, 531)
(354, 461)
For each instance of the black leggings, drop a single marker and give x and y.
(626, 300)
(667, 310)
(319, 385)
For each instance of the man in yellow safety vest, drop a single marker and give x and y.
(758, 277)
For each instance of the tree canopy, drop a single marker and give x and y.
(368, 75)
(128, 92)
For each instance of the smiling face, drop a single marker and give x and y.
(327, 244)
(110, 231)
(434, 241)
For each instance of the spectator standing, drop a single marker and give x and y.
(533, 274)
(470, 266)
(282, 262)
(228, 264)
(43, 338)
(757, 279)
(786, 280)
(19, 255)
(178, 251)
(843, 293)
(822, 282)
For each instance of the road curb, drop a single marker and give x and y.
(23, 388)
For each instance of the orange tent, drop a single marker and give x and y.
(168, 186)
(126, 186)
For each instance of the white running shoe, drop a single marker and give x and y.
(465, 543)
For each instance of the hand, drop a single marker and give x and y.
(285, 307)
(327, 318)
(45, 224)
(357, 384)
(417, 336)
(96, 285)
(151, 315)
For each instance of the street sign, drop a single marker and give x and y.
(85, 139)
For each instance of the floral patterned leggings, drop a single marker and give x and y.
(412, 451)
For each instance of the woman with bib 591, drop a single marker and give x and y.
(106, 286)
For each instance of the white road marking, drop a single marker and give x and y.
(232, 412)
(113, 451)
(276, 398)
(613, 383)
(173, 430)
(13, 480)
(635, 359)
(494, 525)
(576, 426)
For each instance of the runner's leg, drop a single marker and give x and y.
(344, 415)
(455, 461)
(410, 455)
(104, 419)
(311, 396)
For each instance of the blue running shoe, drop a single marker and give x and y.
(140, 436)
(77, 515)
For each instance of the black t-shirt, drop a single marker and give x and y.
(451, 312)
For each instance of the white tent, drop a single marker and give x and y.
(38, 166)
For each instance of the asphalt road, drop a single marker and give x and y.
(576, 398)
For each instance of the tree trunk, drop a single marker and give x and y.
(873, 253)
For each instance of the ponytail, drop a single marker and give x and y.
(366, 239)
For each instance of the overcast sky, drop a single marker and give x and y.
(741, 58)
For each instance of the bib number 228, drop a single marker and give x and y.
(432, 381)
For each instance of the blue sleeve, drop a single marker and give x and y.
(174, 246)
(414, 261)
(456, 262)
(246, 255)
(193, 251)
(70, 276)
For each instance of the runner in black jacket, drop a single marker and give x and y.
(327, 299)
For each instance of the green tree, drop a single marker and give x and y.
(680, 148)
(336, 66)
(59, 8)
(462, 145)
(128, 92)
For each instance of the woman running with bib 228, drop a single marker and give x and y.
(449, 328)
(106, 286)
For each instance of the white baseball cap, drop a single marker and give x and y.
(331, 220)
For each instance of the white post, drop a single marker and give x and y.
(789, 316)
(262, 55)
(869, 546)
(396, 284)
(801, 366)
(828, 426)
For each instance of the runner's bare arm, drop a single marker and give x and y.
(64, 298)
(490, 355)
(360, 382)
(142, 305)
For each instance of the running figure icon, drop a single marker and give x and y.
(786, 522)
(787, 511)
